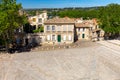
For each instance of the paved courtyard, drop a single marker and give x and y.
(89, 61)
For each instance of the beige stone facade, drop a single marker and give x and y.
(68, 30)
(59, 31)
(83, 33)
(88, 30)
(38, 20)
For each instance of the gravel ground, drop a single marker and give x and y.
(88, 61)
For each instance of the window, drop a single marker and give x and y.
(40, 20)
(79, 35)
(53, 28)
(64, 37)
(59, 28)
(65, 28)
(70, 27)
(69, 37)
(34, 19)
(91, 28)
(48, 28)
(83, 29)
(48, 37)
(53, 37)
(78, 29)
(43, 16)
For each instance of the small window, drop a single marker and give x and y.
(53, 28)
(43, 16)
(65, 28)
(83, 29)
(64, 37)
(78, 29)
(48, 28)
(91, 28)
(34, 19)
(40, 20)
(53, 37)
(48, 37)
(69, 38)
(79, 35)
(59, 28)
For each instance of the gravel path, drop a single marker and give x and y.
(89, 61)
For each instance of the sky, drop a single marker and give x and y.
(64, 3)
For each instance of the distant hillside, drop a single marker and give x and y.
(54, 11)
(68, 8)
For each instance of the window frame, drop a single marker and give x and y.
(64, 37)
(48, 38)
(53, 28)
(40, 20)
(48, 28)
(69, 37)
(53, 38)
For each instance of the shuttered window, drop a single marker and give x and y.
(48, 37)
(53, 38)
(70, 37)
(48, 28)
(64, 37)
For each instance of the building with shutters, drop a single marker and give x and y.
(88, 30)
(68, 30)
(38, 20)
(59, 30)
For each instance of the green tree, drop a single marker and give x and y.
(10, 18)
(91, 13)
(110, 19)
(40, 29)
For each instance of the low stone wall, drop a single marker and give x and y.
(38, 38)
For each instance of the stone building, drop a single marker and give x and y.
(59, 30)
(38, 20)
(88, 30)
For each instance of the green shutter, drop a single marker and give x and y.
(59, 38)
(83, 35)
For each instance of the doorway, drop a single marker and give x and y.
(59, 38)
(83, 36)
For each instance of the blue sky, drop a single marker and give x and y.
(64, 3)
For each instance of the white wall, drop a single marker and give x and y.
(60, 27)
(42, 16)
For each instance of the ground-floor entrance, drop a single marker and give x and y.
(59, 38)
(83, 36)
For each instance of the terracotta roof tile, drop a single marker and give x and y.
(60, 20)
(82, 25)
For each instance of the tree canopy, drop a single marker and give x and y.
(91, 13)
(10, 18)
(109, 17)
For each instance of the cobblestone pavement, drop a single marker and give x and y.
(90, 61)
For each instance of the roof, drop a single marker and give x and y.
(58, 20)
(82, 25)
(85, 23)
(96, 30)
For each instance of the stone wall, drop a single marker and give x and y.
(38, 38)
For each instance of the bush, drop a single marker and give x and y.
(41, 29)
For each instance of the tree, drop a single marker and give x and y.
(110, 19)
(40, 29)
(10, 18)
(91, 13)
